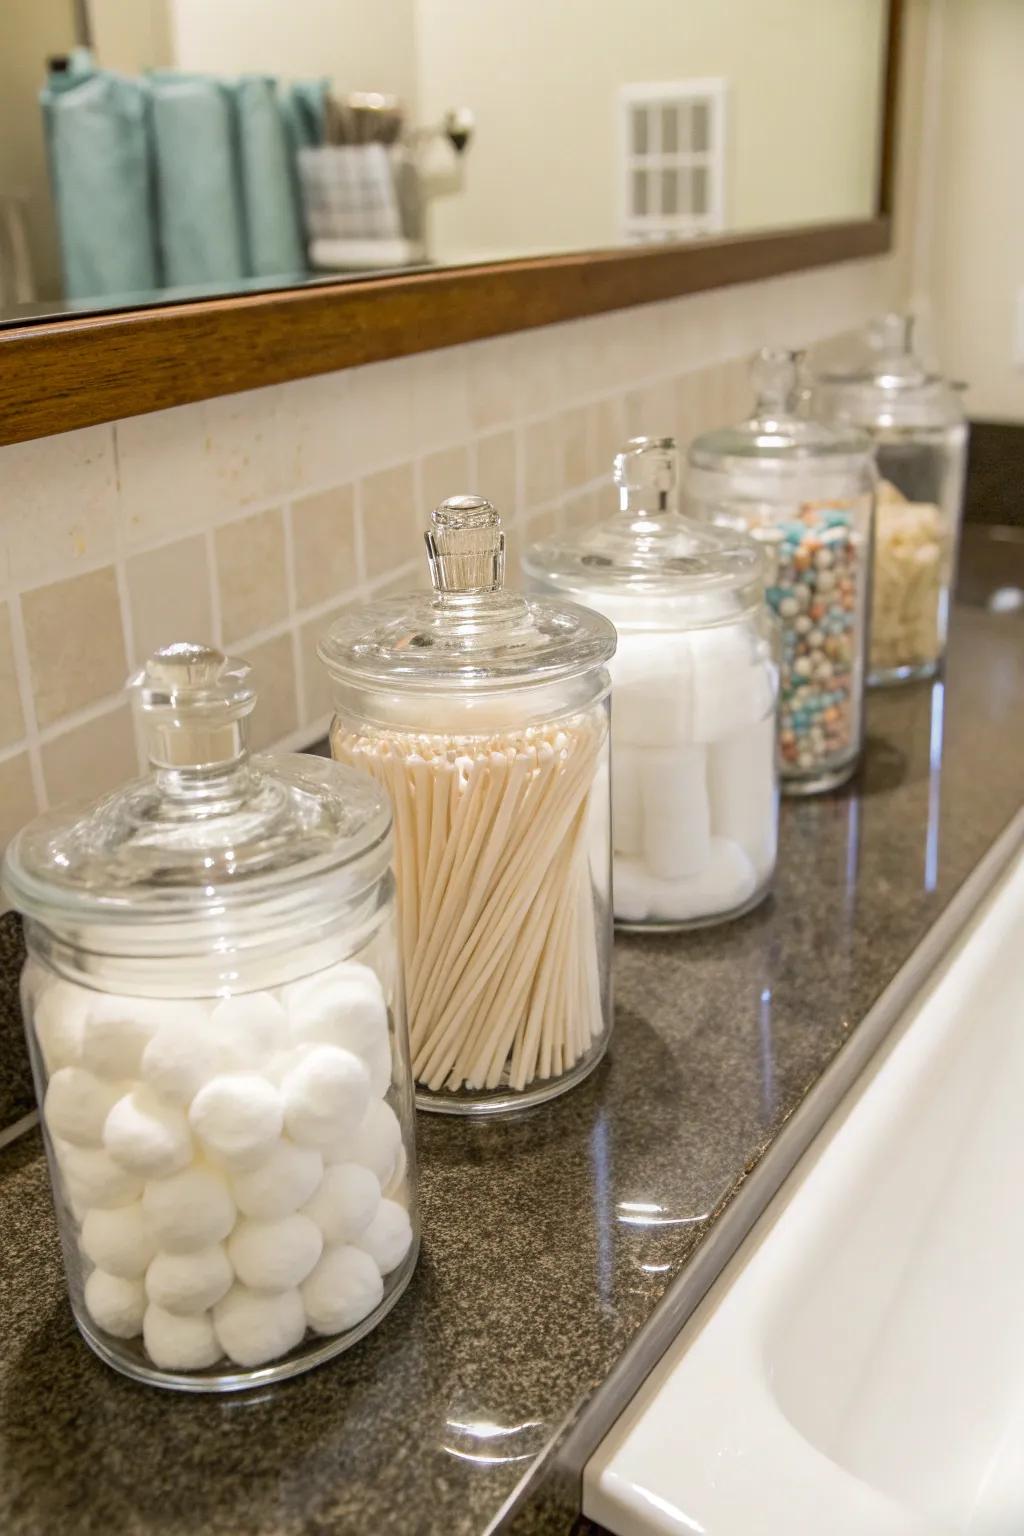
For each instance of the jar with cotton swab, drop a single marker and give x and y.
(694, 782)
(214, 1013)
(484, 714)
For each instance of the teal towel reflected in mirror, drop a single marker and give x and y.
(175, 180)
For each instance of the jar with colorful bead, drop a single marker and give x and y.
(806, 493)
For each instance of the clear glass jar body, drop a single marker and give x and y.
(503, 868)
(917, 533)
(817, 539)
(229, 1130)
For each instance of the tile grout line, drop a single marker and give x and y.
(298, 663)
(23, 673)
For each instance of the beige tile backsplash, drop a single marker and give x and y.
(253, 520)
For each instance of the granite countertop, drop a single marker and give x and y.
(551, 1237)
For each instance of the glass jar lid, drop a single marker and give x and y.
(470, 633)
(649, 547)
(209, 831)
(887, 383)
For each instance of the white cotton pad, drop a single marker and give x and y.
(77, 1105)
(189, 1282)
(327, 1090)
(652, 682)
(118, 1241)
(146, 1135)
(255, 1327)
(238, 1117)
(676, 812)
(117, 1031)
(280, 1184)
(388, 1238)
(375, 1142)
(189, 1210)
(343, 1006)
(343, 1289)
(345, 1203)
(732, 685)
(181, 1056)
(275, 1255)
(246, 1030)
(115, 1305)
(627, 811)
(177, 1343)
(59, 1020)
(92, 1178)
(630, 890)
(744, 800)
(726, 881)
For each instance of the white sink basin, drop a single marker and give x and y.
(859, 1366)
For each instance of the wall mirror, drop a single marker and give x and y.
(324, 182)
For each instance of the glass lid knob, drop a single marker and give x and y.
(776, 376)
(193, 703)
(648, 466)
(466, 546)
(892, 333)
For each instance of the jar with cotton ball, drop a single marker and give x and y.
(916, 420)
(484, 714)
(805, 493)
(213, 1006)
(694, 678)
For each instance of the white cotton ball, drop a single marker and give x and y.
(238, 1117)
(118, 1241)
(275, 1255)
(116, 1305)
(177, 1343)
(59, 1019)
(254, 1327)
(397, 1180)
(328, 1089)
(388, 1238)
(92, 1178)
(117, 1031)
(181, 1056)
(189, 1210)
(343, 1006)
(77, 1105)
(281, 1184)
(246, 1029)
(146, 1135)
(345, 1203)
(375, 1143)
(343, 1289)
(378, 1064)
(189, 1282)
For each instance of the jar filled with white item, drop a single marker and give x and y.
(916, 420)
(214, 1016)
(485, 716)
(694, 683)
(805, 492)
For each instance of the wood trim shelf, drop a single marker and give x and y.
(61, 374)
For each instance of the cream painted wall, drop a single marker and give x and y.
(971, 251)
(130, 38)
(362, 45)
(33, 30)
(542, 79)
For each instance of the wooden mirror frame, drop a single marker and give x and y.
(56, 375)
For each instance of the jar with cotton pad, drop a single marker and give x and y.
(214, 1013)
(484, 714)
(694, 678)
(805, 492)
(916, 421)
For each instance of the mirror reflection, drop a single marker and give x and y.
(182, 147)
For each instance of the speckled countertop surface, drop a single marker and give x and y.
(548, 1239)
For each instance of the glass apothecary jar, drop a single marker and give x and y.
(916, 420)
(694, 680)
(214, 1014)
(805, 492)
(485, 716)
